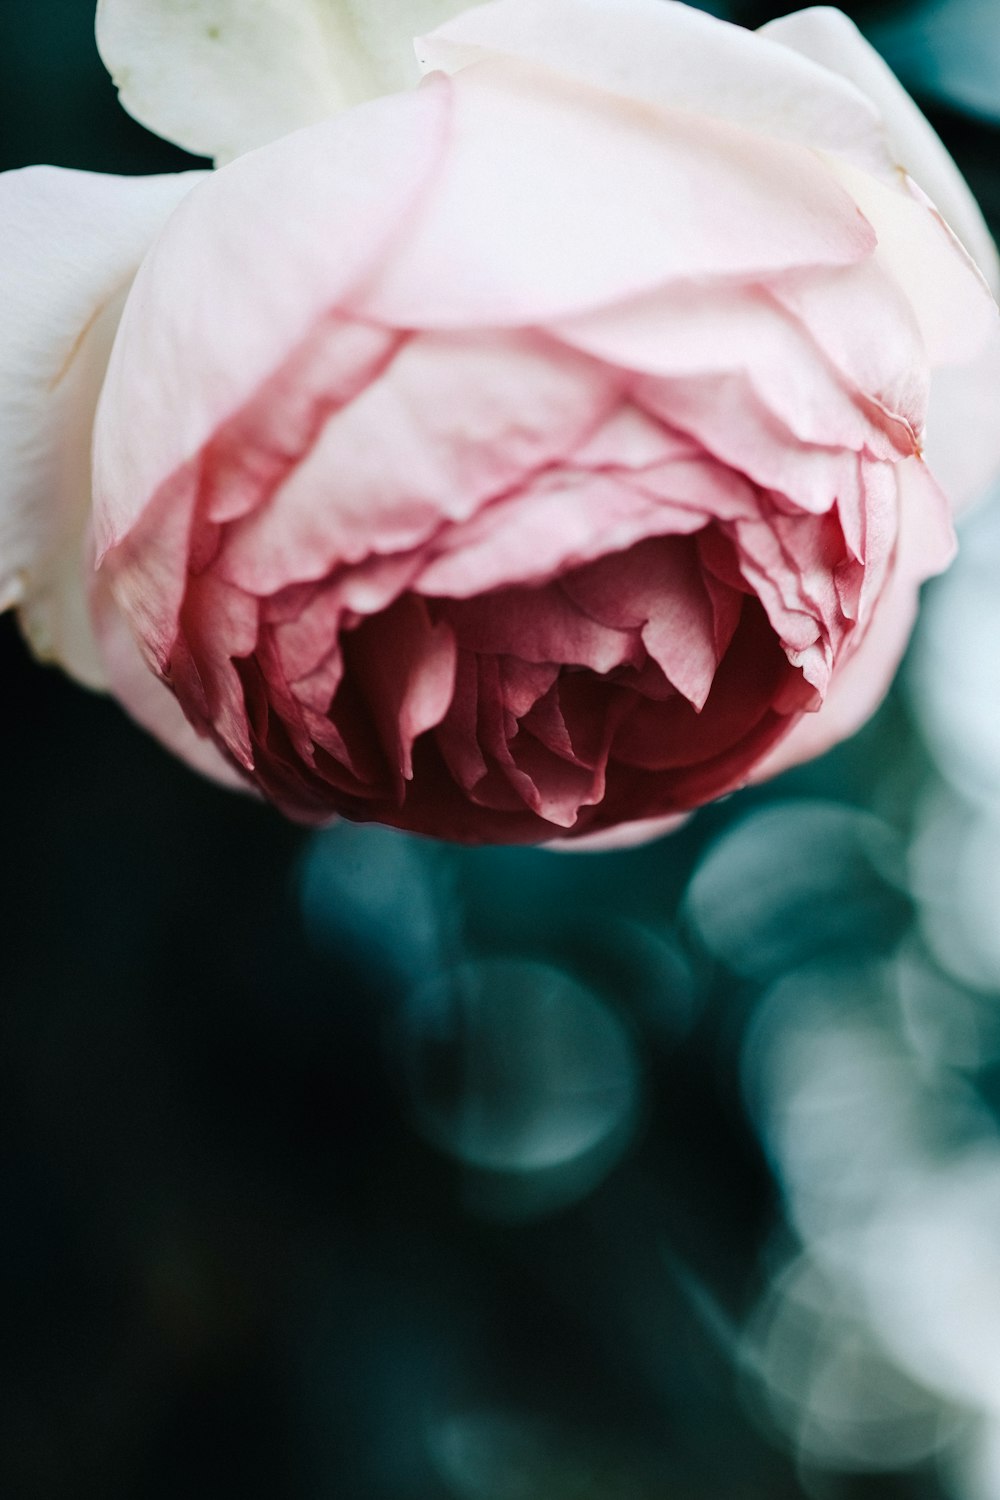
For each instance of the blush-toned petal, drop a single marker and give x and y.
(631, 440)
(665, 54)
(470, 417)
(730, 420)
(614, 204)
(827, 37)
(880, 338)
(70, 246)
(692, 331)
(219, 627)
(221, 77)
(926, 546)
(230, 292)
(860, 320)
(953, 304)
(147, 699)
(549, 781)
(563, 520)
(778, 582)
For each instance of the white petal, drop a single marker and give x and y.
(672, 56)
(71, 244)
(962, 444)
(828, 37)
(221, 77)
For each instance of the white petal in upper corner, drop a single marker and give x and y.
(71, 244)
(221, 77)
(828, 37)
(672, 56)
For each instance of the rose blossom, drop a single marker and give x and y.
(542, 450)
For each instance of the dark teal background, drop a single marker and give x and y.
(246, 1247)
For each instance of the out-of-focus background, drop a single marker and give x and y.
(351, 1167)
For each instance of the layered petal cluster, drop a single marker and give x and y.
(544, 450)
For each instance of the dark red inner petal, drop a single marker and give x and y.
(639, 685)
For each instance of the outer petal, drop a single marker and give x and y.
(830, 39)
(926, 546)
(617, 201)
(523, 402)
(624, 836)
(953, 304)
(689, 331)
(234, 288)
(963, 431)
(70, 247)
(963, 436)
(960, 326)
(146, 698)
(673, 56)
(221, 77)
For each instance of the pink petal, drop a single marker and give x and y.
(862, 322)
(624, 836)
(148, 700)
(728, 419)
(629, 439)
(549, 783)
(671, 737)
(457, 735)
(523, 683)
(681, 332)
(452, 421)
(926, 545)
(230, 290)
(219, 625)
(561, 521)
(613, 205)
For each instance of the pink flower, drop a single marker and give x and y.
(543, 450)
